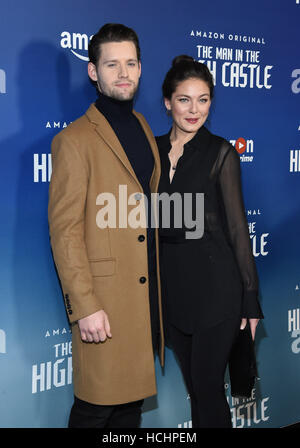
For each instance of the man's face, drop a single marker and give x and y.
(118, 70)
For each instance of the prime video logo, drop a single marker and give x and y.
(77, 43)
(2, 81)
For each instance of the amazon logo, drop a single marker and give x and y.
(77, 43)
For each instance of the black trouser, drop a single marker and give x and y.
(203, 357)
(87, 415)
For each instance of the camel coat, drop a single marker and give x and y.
(103, 268)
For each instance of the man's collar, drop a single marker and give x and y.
(112, 106)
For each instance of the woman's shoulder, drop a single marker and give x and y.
(227, 154)
(218, 139)
(225, 147)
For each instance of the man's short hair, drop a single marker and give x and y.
(112, 32)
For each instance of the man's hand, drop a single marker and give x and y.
(95, 328)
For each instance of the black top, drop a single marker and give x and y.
(221, 263)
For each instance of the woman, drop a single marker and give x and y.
(209, 283)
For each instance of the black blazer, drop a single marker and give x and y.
(213, 278)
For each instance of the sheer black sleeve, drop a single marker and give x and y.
(230, 185)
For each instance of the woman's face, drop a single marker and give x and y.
(189, 105)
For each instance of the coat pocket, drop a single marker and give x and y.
(103, 267)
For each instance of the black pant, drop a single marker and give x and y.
(87, 415)
(203, 357)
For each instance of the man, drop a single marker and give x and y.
(109, 274)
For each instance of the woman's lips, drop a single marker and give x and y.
(192, 120)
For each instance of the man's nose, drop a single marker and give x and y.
(123, 72)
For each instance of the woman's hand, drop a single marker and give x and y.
(253, 324)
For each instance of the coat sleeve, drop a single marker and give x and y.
(66, 213)
(230, 183)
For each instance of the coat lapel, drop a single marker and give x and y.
(105, 131)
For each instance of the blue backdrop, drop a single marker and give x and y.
(252, 48)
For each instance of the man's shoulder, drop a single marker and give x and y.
(75, 129)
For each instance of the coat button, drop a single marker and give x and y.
(70, 311)
(138, 196)
(141, 238)
(143, 280)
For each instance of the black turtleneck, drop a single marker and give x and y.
(131, 136)
(137, 148)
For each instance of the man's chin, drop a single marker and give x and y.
(124, 98)
(123, 95)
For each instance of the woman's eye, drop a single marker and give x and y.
(203, 100)
(183, 100)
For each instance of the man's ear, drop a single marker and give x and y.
(92, 72)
